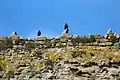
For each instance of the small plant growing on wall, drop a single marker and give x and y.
(30, 45)
(8, 43)
(113, 39)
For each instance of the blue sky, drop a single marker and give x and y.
(82, 16)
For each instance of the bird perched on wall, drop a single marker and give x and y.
(39, 33)
(66, 29)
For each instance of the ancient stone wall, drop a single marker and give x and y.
(67, 41)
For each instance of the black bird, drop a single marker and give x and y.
(39, 33)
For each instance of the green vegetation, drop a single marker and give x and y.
(86, 54)
(6, 65)
(78, 40)
(92, 38)
(113, 39)
(8, 43)
(30, 45)
(17, 42)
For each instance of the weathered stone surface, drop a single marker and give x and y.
(63, 40)
(59, 45)
(41, 38)
(70, 43)
(68, 63)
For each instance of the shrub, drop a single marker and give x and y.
(75, 41)
(17, 42)
(92, 38)
(2, 45)
(30, 45)
(78, 40)
(8, 43)
(113, 39)
(53, 56)
(85, 40)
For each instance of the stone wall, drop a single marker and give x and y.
(66, 41)
(62, 41)
(80, 63)
(3, 37)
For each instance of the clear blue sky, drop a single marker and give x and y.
(82, 16)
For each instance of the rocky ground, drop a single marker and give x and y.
(68, 63)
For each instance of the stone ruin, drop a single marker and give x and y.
(111, 33)
(66, 39)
